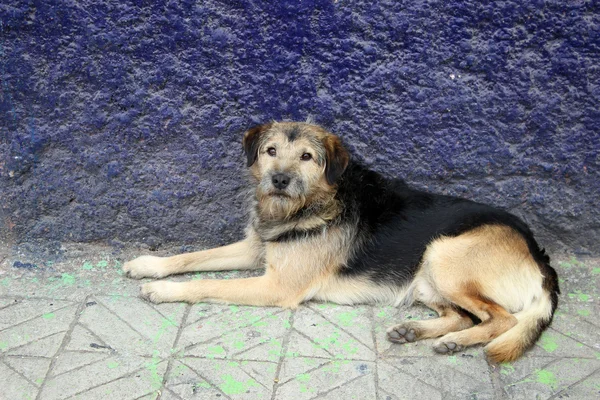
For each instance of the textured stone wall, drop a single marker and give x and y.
(121, 120)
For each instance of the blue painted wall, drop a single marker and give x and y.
(121, 120)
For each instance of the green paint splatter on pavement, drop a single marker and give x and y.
(102, 264)
(238, 344)
(580, 296)
(573, 262)
(453, 360)
(67, 279)
(596, 271)
(546, 377)
(215, 351)
(87, 265)
(48, 315)
(506, 369)
(548, 343)
(584, 313)
(381, 314)
(152, 366)
(5, 281)
(232, 386)
(303, 377)
(3, 346)
(347, 318)
(234, 309)
(113, 364)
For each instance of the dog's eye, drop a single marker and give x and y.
(272, 152)
(306, 157)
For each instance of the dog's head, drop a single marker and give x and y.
(295, 165)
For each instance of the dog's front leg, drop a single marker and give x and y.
(241, 255)
(258, 291)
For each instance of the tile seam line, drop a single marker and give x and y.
(211, 383)
(554, 360)
(569, 337)
(171, 392)
(75, 395)
(219, 336)
(92, 333)
(573, 384)
(37, 316)
(343, 329)
(441, 391)
(305, 336)
(66, 339)
(320, 394)
(28, 343)
(311, 370)
(284, 348)
(276, 312)
(20, 374)
(126, 323)
(82, 366)
(166, 376)
(374, 339)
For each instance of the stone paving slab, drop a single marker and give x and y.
(74, 328)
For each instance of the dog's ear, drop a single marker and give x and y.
(251, 141)
(337, 158)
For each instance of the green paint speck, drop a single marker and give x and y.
(231, 386)
(580, 296)
(102, 264)
(87, 265)
(238, 344)
(347, 318)
(303, 377)
(234, 309)
(596, 271)
(48, 315)
(584, 313)
(113, 364)
(548, 343)
(5, 281)
(507, 369)
(3, 346)
(215, 351)
(67, 279)
(546, 377)
(381, 314)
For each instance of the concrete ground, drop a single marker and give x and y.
(72, 326)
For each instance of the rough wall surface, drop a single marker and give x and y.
(121, 120)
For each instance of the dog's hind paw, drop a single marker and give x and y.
(447, 347)
(145, 267)
(402, 334)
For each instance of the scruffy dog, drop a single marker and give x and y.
(325, 228)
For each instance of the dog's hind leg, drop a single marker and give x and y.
(495, 320)
(246, 254)
(450, 320)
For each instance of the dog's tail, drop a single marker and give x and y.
(531, 321)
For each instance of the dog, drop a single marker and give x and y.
(326, 228)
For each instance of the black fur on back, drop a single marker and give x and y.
(395, 223)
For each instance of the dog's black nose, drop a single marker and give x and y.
(280, 181)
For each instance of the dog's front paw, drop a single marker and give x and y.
(145, 267)
(160, 291)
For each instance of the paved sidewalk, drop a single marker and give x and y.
(72, 326)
